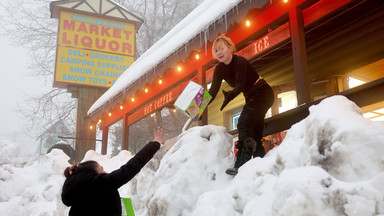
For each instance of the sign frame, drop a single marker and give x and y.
(107, 77)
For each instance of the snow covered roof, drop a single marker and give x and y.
(196, 24)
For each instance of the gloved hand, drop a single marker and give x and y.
(227, 99)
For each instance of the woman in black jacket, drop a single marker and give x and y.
(259, 97)
(89, 190)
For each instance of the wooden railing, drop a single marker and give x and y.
(362, 95)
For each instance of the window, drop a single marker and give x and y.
(288, 101)
(354, 82)
(375, 115)
(235, 119)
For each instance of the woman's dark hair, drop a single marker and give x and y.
(89, 166)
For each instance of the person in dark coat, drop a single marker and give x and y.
(259, 97)
(89, 190)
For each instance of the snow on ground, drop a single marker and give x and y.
(331, 163)
(30, 187)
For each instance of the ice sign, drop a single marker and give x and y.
(193, 100)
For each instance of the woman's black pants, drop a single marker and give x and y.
(251, 120)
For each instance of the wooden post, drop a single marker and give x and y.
(275, 105)
(125, 133)
(86, 138)
(299, 56)
(343, 83)
(336, 84)
(104, 144)
(201, 79)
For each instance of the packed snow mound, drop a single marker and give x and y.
(8, 150)
(194, 165)
(33, 188)
(340, 140)
(330, 163)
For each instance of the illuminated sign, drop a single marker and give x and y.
(92, 51)
(266, 42)
(158, 103)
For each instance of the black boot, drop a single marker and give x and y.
(251, 145)
(243, 155)
(259, 151)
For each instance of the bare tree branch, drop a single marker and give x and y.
(29, 25)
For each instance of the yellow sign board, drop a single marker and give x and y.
(92, 51)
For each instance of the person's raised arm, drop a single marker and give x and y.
(158, 135)
(126, 172)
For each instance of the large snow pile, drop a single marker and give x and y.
(30, 187)
(331, 163)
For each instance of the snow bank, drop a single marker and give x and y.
(331, 163)
(194, 165)
(33, 188)
(8, 150)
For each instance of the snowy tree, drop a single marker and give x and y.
(159, 17)
(29, 25)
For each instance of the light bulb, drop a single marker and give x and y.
(248, 23)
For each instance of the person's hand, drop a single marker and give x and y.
(227, 99)
(158, 135)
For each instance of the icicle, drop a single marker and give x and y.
(208, 33)
(237, 9)
(226, 24)
(206, 41)
(152, 74)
